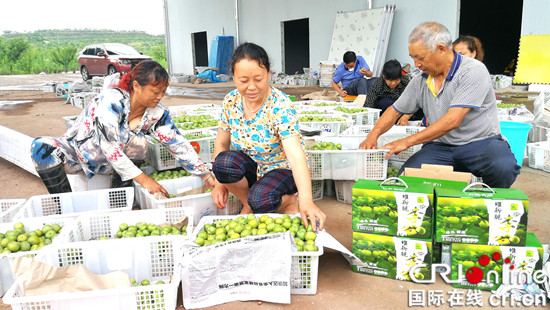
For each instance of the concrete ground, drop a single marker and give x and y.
(338, 287)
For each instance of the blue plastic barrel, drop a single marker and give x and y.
(516, 134)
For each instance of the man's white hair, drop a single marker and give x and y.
(431, 34)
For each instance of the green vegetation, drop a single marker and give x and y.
(53, 51)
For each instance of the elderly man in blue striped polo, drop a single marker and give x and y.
(458, 101)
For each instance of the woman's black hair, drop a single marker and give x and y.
(473, 44)
(250, 51)
(145, 72)
(349, 57)
(392, 70)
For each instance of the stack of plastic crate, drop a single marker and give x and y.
(71, 205)
(343, 188)
(346, 165)
(146, 258)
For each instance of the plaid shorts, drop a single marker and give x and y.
(266, 193)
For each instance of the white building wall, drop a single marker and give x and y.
(409, 14)
(216, 17)
(535, 17)
(260, 22)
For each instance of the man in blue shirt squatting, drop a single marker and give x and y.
(352, 74)
(456, 96)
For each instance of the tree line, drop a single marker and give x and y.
(54, 51)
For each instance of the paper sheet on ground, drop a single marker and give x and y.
(37, 278)
(252, 268)
(326, 240)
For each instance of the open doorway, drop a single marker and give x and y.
(295, 34)
(200, 49)
(497, 24)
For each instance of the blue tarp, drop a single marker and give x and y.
(221, 50)
(209, 74)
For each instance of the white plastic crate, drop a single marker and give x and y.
(192, 108)
(74, 204)
(81, 100)
(140, 258)
(540, 133)
(6, 276)
(94, 226)
(49, 88)
(305, 265)
(9, 207)
(328, 128)
(206, 144)
(394, 133)
(368, 117)
(539, 155)
(349, 163)
(80, 182)
(329, 187)
(317, 189)
(202, 204)
(404, 155)
(344, 191)
(159, 157)
(364, 130)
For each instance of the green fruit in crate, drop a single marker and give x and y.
(310, 235)
(251, 225)
(353, 110)
(13, 246)
(320, 119)
(18, 225)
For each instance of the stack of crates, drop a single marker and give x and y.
(153, 259)
(392, 228)
(539, 155)
(71, 205)
(486, 229)
(343, 188)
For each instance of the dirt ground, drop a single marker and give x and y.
(338, 287)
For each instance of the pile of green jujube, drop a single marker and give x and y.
(320, 119)
(145, 282)
(320, 146)
(324, 104)
(312, 112)
(353, 110)
(19, 240)
(508, 105)
(199, 136)
(168, 174)
(392, 171)
(187, 122)
(224, 230)
(142, 229)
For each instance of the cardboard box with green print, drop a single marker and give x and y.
(485, 267)
(393, 207)
(481, 215)
(392, 257)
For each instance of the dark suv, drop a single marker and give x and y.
(107, 59)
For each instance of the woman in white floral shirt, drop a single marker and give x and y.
(108, 137)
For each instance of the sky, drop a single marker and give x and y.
(31, 15)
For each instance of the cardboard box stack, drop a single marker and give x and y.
(481, 229)
(392, 228)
